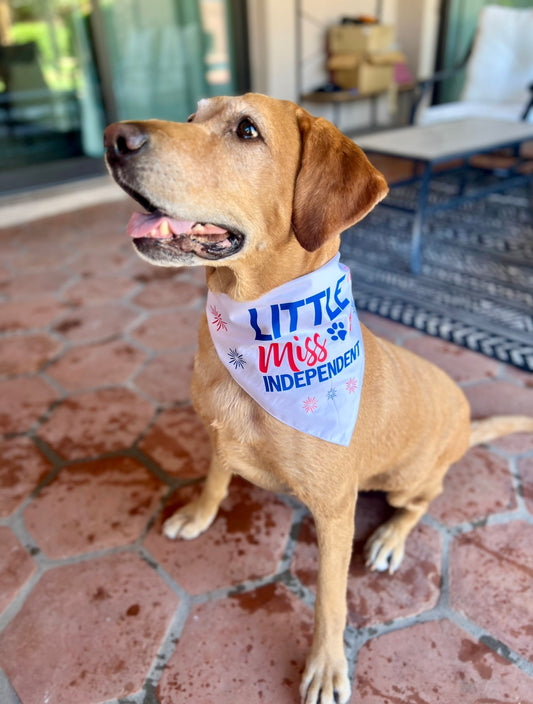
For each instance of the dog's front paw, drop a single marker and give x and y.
(385, 549)
(188, 522)
(325, 681)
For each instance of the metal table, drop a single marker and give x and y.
(433, 145)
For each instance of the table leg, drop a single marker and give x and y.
(416, 236)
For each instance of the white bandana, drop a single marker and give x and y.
(297, 350)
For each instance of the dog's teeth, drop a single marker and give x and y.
(153, 232)
(164, 229)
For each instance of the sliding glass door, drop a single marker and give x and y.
(68, 67)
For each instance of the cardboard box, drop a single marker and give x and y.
(357, 71)
(351, 38)
(374, 79)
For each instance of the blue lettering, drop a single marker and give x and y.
(293, 313)
(341, 305)
(315, 300)
(259, 335)
(299, 380)
(287, 382)
(322, 372)
(275, 322)
(309, 374)
(273, 383)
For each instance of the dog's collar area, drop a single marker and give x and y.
(297, 351)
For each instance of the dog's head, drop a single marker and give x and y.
(243, 181)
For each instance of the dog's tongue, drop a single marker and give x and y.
(160, 226)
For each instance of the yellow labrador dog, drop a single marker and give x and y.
(258, 191)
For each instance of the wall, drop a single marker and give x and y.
(288, 47)
(273, 47)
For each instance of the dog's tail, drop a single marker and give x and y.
(496, 426)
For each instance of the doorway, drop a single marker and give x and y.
(69, 67)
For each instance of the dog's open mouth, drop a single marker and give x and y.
(153, 231)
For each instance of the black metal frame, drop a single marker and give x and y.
(510, 179)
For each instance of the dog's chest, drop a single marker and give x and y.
(239, 428)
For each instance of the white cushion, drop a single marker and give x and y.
(501, 65)
(448, 112)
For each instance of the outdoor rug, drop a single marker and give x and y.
(476, 285)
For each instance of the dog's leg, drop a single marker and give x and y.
(325, 679)
(195, 517)
(386, 546)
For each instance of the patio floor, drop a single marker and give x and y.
(100, 443)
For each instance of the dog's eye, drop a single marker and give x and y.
(191, 117)
(247, 130)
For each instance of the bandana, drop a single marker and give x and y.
(297, 351)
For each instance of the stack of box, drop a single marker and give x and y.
(360, 56)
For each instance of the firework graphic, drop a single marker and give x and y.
(351, 385)
(331, 394)
(310, 405)
(236, 359)
(217, 320)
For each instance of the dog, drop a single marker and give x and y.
(258, 191)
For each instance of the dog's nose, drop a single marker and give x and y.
(124, 139)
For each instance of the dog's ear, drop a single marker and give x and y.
(336, 185)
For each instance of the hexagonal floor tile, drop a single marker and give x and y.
(98, 289)
(95, 422)
(33, 284)
(94, 628)
(476, 486)
(27, 315)
(246, 540)
(461, 364)
(242, 649)
(169, 330)
(22, 468)
(435, 663)
(377, 597)
(167, 377)
(16, 567)
(92, 323)
(491, 571)
(22, 402)
(92, 263)
(499, 398)
(93, 506)
(101, 364)
(169, 293)
(179, 443)
(26, 354)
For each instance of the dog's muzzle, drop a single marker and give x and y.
(157, 236)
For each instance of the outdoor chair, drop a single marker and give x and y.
(499, 72)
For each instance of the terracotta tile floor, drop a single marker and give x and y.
(100, 443)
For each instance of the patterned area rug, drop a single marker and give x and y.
(476, 285)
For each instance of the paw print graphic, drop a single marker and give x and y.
(337, 331)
